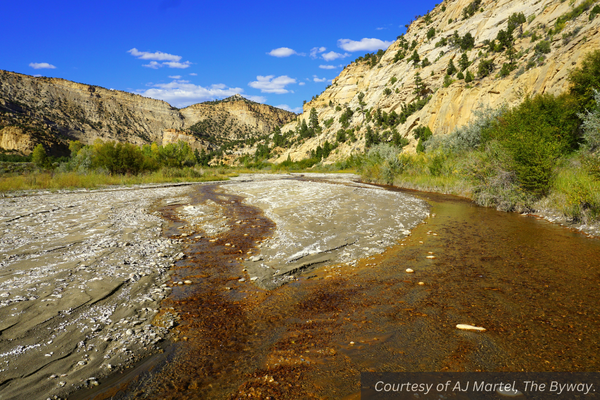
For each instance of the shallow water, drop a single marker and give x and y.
(532, 285)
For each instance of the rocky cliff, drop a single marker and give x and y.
(51, 111)
(550, 38)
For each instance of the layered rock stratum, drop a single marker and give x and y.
(52, 111)
(453, 105)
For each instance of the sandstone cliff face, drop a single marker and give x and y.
(13, 138)
(452, 106)
(62, 110)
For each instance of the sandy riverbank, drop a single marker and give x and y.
(81, 277)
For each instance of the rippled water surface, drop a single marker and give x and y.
(532, 285)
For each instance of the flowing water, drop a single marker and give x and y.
(533, 285)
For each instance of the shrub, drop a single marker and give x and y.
(468, 76)
(467, 137)
(340, 136)
(543, 47)
(595, 11)
(448, 81)
(423, 134)
(467, 42)
(534, 134)
(506, 69)
(585, 80)
(442, 42)
(387, 91)
(591, 124)
(485, 68)
(471, 9)
(431, 33)
(400, 54)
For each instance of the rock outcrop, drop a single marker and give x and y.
(61, 110)
(389, 84)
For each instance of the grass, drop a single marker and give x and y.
(72, 180)
(575, 193)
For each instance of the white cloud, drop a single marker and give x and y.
(317, 79)
(316, 50)
(327, 66)
(153, 65)
(296, 110)
(169, 60)
(364, 44)
(270, 84)
(283, 52)
(174, 64)
(182, 93)
(193, 74)
(302, 83)
(332, 55)
(41, 66)
(159, 55)
(175, 76)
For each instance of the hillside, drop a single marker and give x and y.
(377, 95)
(52, 111)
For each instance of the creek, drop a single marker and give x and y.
(531, 284)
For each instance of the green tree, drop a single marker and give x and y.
(463, 63)
(74, 147)
(39, 156)
(415, 58)
(469, 76)
(314, 121)
(451, 70)
(420, 88)
(467, 42)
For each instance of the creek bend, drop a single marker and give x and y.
(532, 285)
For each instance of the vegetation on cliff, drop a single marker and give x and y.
(544, 152)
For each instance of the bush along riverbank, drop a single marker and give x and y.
(110, 163)
(540, 156)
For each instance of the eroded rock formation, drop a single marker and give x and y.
(389, 84)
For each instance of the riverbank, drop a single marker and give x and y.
(82, 276)
(551, 208)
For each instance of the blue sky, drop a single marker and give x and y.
(185, 52)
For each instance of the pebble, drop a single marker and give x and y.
(187, 282)
(466, 327)
(242, 280)
(421, 283)
(254, 278)
(430, 257)
(409, 270)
